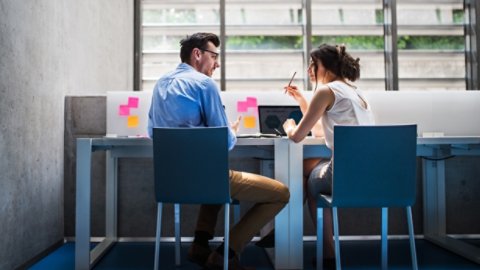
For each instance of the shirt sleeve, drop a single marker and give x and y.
(213, 111)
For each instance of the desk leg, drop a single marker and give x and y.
(282, 218)
(296, 204)
(110, 210)
(434, 216)
(83, 188)
(111, 197)
(289, 222)
(434, 197)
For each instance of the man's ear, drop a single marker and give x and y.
(196, 54)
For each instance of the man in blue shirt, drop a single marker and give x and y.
(189, 97)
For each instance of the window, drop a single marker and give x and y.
(431, 44)
(264, 44)
(267, 41)
(164, 24)
(358, 25)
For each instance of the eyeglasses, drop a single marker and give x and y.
(215, 54)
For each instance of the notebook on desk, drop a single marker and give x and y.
(127, 113)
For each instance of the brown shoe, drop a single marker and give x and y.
(198, 254)
(215, 262)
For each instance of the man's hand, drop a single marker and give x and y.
(236, 124)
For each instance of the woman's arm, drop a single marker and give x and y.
(322, 100)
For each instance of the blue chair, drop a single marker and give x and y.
(373, 166)
(191, 167)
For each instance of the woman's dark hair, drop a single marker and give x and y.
(197, 40)
(336, 60)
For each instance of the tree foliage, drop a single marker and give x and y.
(352, 42)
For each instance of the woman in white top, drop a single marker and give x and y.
(336, 102)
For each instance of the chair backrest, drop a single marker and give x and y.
(374, 166)
(191, 165)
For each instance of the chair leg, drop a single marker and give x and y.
(412, 238)
(384, 238)
(319, 238)
(177, 233)
(227, 236)
(157, 236)
(337, 239)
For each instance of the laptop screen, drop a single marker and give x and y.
(272, 117)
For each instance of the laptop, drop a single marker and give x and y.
(127, 113)
(272, 117)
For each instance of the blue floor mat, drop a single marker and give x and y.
(355, 255)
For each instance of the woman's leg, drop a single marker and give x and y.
(308, 165)
(320, 181)
(328, 244)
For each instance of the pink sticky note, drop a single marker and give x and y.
(133, 102)
(242, 106)
(123, 110)
(251, 102)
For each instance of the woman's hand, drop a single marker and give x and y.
(289, 126)
(293, 91)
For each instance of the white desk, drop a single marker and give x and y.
(288, 158)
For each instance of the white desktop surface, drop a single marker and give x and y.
(288, 157)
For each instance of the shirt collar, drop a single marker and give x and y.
(184, 66)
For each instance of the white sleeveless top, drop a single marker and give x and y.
(347, 109)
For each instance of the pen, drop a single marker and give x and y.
(291, 80)
(278, 132)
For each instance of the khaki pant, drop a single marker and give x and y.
(269, 196)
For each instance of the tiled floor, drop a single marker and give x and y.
(355, 255)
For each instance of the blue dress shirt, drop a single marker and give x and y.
(187, 98)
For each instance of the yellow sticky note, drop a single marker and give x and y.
(132, 121)
(249, 121)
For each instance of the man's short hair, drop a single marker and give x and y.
(197, 40)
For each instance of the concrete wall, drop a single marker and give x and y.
(136, 202)
(49, 49)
